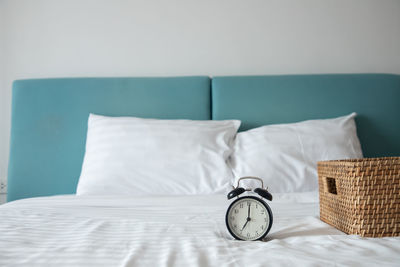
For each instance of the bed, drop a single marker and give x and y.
(46, 224)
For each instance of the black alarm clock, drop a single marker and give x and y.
(249, 217)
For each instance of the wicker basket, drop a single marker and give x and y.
(361, 196)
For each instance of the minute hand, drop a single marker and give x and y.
(248, 218)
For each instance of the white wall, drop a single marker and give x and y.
(4, 105)
(54, 38)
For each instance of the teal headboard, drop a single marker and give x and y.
(49, 122)
(49, 116)
(260, 100)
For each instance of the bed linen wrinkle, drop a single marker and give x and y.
(175, 231)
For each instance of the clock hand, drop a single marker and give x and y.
(248, 217)
(245, 224)
(247, 220)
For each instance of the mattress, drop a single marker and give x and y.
(74, 230)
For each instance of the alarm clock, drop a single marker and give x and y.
(249, 217)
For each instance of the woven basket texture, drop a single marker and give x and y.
(361, 196)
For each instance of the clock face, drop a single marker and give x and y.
(249, 218)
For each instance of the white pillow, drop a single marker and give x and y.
(127, 155)
(285, 156)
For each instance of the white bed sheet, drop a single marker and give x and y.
(175, 231)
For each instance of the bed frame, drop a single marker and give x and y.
(49, 116)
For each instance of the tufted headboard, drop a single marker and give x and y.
(49, 116)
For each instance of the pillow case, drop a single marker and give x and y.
(285, 156)
(128, 155)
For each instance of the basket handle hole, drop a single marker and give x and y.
(331, 185)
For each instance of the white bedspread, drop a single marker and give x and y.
(175, 231)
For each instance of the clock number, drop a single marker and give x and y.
(262, 227)
(236, 211)
(241, 205)
(248, 234)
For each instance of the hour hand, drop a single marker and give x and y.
(245, 224)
